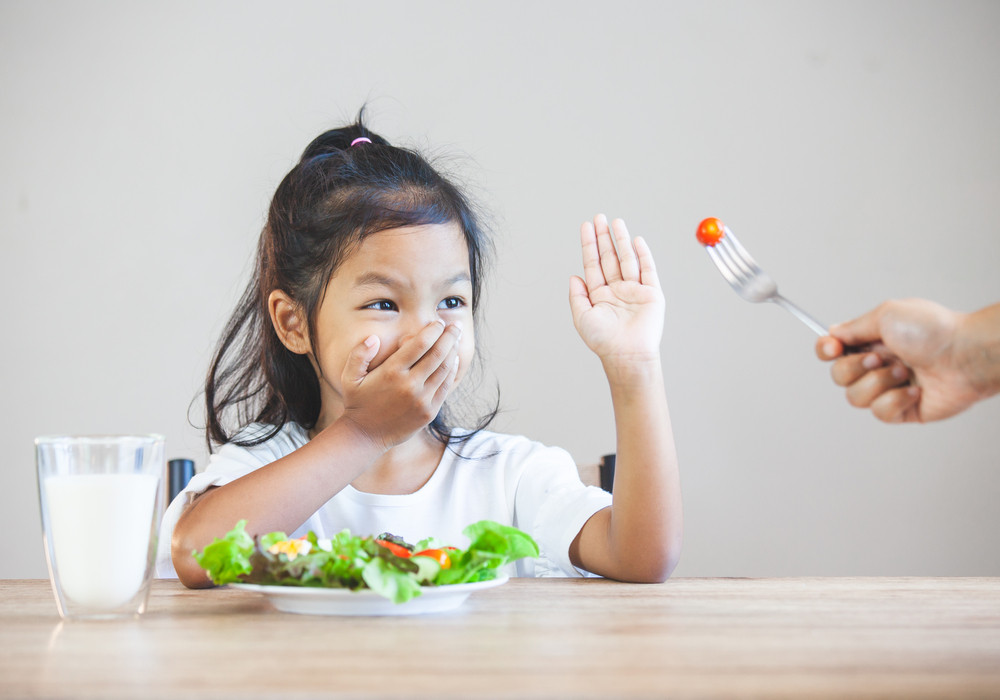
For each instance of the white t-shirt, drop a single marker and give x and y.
(505, 478)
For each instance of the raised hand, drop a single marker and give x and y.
(618, 310)
(618, 305)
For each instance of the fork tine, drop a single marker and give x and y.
(740, 252)
(723, 266)
(737, 265)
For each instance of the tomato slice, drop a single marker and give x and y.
(438, 555)
(396, 549)
(710, 231)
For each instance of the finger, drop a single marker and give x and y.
(591, 257)
(412, 349)
(872, 385)
(448, 380)
(579, 298)
(627, 261)
(437, 354)
(829, 348)
(610, 265)
(444, 370)
(897, 405)
(359, 360)
(850, 368)
(647, 268)
(864, 329)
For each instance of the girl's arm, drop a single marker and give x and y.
(618, 310)
(276, 497)
(383, 408)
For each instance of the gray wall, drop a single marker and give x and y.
(853, 146)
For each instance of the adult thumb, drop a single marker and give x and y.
(866, 328)
(360, 358)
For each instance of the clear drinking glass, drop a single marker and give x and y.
(101, 508)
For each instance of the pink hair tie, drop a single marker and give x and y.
(361, 139)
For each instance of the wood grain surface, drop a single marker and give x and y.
(795, 638)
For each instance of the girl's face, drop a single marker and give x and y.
(395, 283)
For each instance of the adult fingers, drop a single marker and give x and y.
(872, 385)
(829, 348)
(897, 405)
(850, 368)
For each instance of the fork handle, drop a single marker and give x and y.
(817, 327)
(820, 329)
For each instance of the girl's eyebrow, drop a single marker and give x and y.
(372, 279)
(460, 277)
(376, 279)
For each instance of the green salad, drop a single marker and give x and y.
(386, 564)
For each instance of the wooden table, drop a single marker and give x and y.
(799, 637)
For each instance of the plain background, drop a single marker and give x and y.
(853, 146)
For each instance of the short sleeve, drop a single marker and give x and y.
(553, 504)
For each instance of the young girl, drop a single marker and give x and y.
(358, 325)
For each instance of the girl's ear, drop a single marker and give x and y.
(289, 322)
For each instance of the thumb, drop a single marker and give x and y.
(361, 356)
(579, 297)
(862, 330)
(829, 348)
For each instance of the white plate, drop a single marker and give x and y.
(343, 601)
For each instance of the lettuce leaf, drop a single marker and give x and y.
(492, 545)
(389, 582)
(514, 544)
(228, 559)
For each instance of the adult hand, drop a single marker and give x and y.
(923, 368)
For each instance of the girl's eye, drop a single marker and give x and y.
(382, 305)
(452, 303)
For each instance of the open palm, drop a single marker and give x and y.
(618, 305)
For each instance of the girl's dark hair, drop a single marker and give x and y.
(336, 196)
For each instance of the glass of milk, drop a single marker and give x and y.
(101, 508)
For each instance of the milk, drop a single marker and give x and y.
(100, 525)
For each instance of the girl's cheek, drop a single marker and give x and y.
(466, 351)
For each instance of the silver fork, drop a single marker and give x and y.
(750, 282)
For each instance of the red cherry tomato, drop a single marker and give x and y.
(438, 555)
(396, 549)
(710, 231)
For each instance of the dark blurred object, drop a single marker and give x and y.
(179, 473)
(607, 470)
